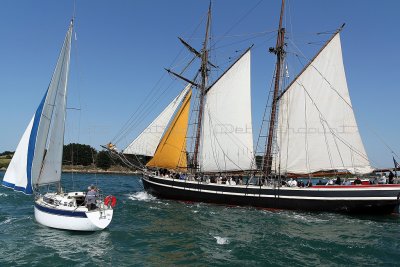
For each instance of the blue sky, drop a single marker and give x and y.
(122, 48)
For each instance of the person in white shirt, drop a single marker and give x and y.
(382, 179)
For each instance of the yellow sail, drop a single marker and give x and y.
(171, 151)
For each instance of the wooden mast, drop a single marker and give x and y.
(280, 52)
(204, 79)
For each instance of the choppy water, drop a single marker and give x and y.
(147, 231)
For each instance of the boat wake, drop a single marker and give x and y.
(141, 196)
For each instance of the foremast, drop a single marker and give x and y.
(203, 85)
(279, 51)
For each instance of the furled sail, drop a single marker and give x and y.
(317, 129)
(171, 151)
(147, 142)
(38, 157)
(227, 138)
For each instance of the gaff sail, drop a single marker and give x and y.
(227, 137)
(317, 129)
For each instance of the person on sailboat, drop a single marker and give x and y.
(382, 179)
(391, 177)
(91, 198)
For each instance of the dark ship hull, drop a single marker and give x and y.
(365, 199)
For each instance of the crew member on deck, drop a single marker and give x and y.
(91, 197)
(391, 177)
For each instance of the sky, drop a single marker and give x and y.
(122, 48)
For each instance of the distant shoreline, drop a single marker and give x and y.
(100, 171)
(80, 169)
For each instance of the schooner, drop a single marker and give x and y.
(312, 130)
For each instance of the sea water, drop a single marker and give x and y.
(147, 231)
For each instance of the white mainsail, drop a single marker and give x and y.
(38, 157)
(51, 170)
(317, 129)
(227, 138)
(147, 141)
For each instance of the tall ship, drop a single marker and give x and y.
(312, 132)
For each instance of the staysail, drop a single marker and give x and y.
(317, 129)
(171, 151)
(37, 159)
(227, 138)
(146, 143)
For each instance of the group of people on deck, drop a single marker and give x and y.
(382, 179)
(289, 182)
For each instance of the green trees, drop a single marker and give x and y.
(79, 154)
(103, 160)
(76, 155)
(85, 155)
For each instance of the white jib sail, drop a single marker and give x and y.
(16, 174)
(147, 141)
(227, 138)
(317, 129)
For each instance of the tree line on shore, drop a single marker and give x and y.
(75, 154)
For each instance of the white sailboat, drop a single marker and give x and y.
(38, 160)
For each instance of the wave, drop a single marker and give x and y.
(141, 196)
(7, 221)
(221, 240)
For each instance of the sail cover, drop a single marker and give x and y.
(317, 129)
(147, 142)
(227, 138)
(38, 157)
(171, 152)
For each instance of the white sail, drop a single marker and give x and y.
(51, 166)
(147, 141)
(16, 175)
(227, 138)
(317, 129)
(45, 132)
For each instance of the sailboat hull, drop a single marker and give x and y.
(70, 217)
(382, 199)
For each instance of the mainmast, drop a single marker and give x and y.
(203, 85)
(280, 52)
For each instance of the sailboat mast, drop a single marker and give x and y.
(280, 52)
(204, 79)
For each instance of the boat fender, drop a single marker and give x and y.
(110, 201)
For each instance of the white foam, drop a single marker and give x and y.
(308, 219)
(221, 240)
(7, 221)
(3, 195)
(141, 196)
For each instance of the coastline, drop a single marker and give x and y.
(91, 170)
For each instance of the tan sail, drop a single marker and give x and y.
(171, 151)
